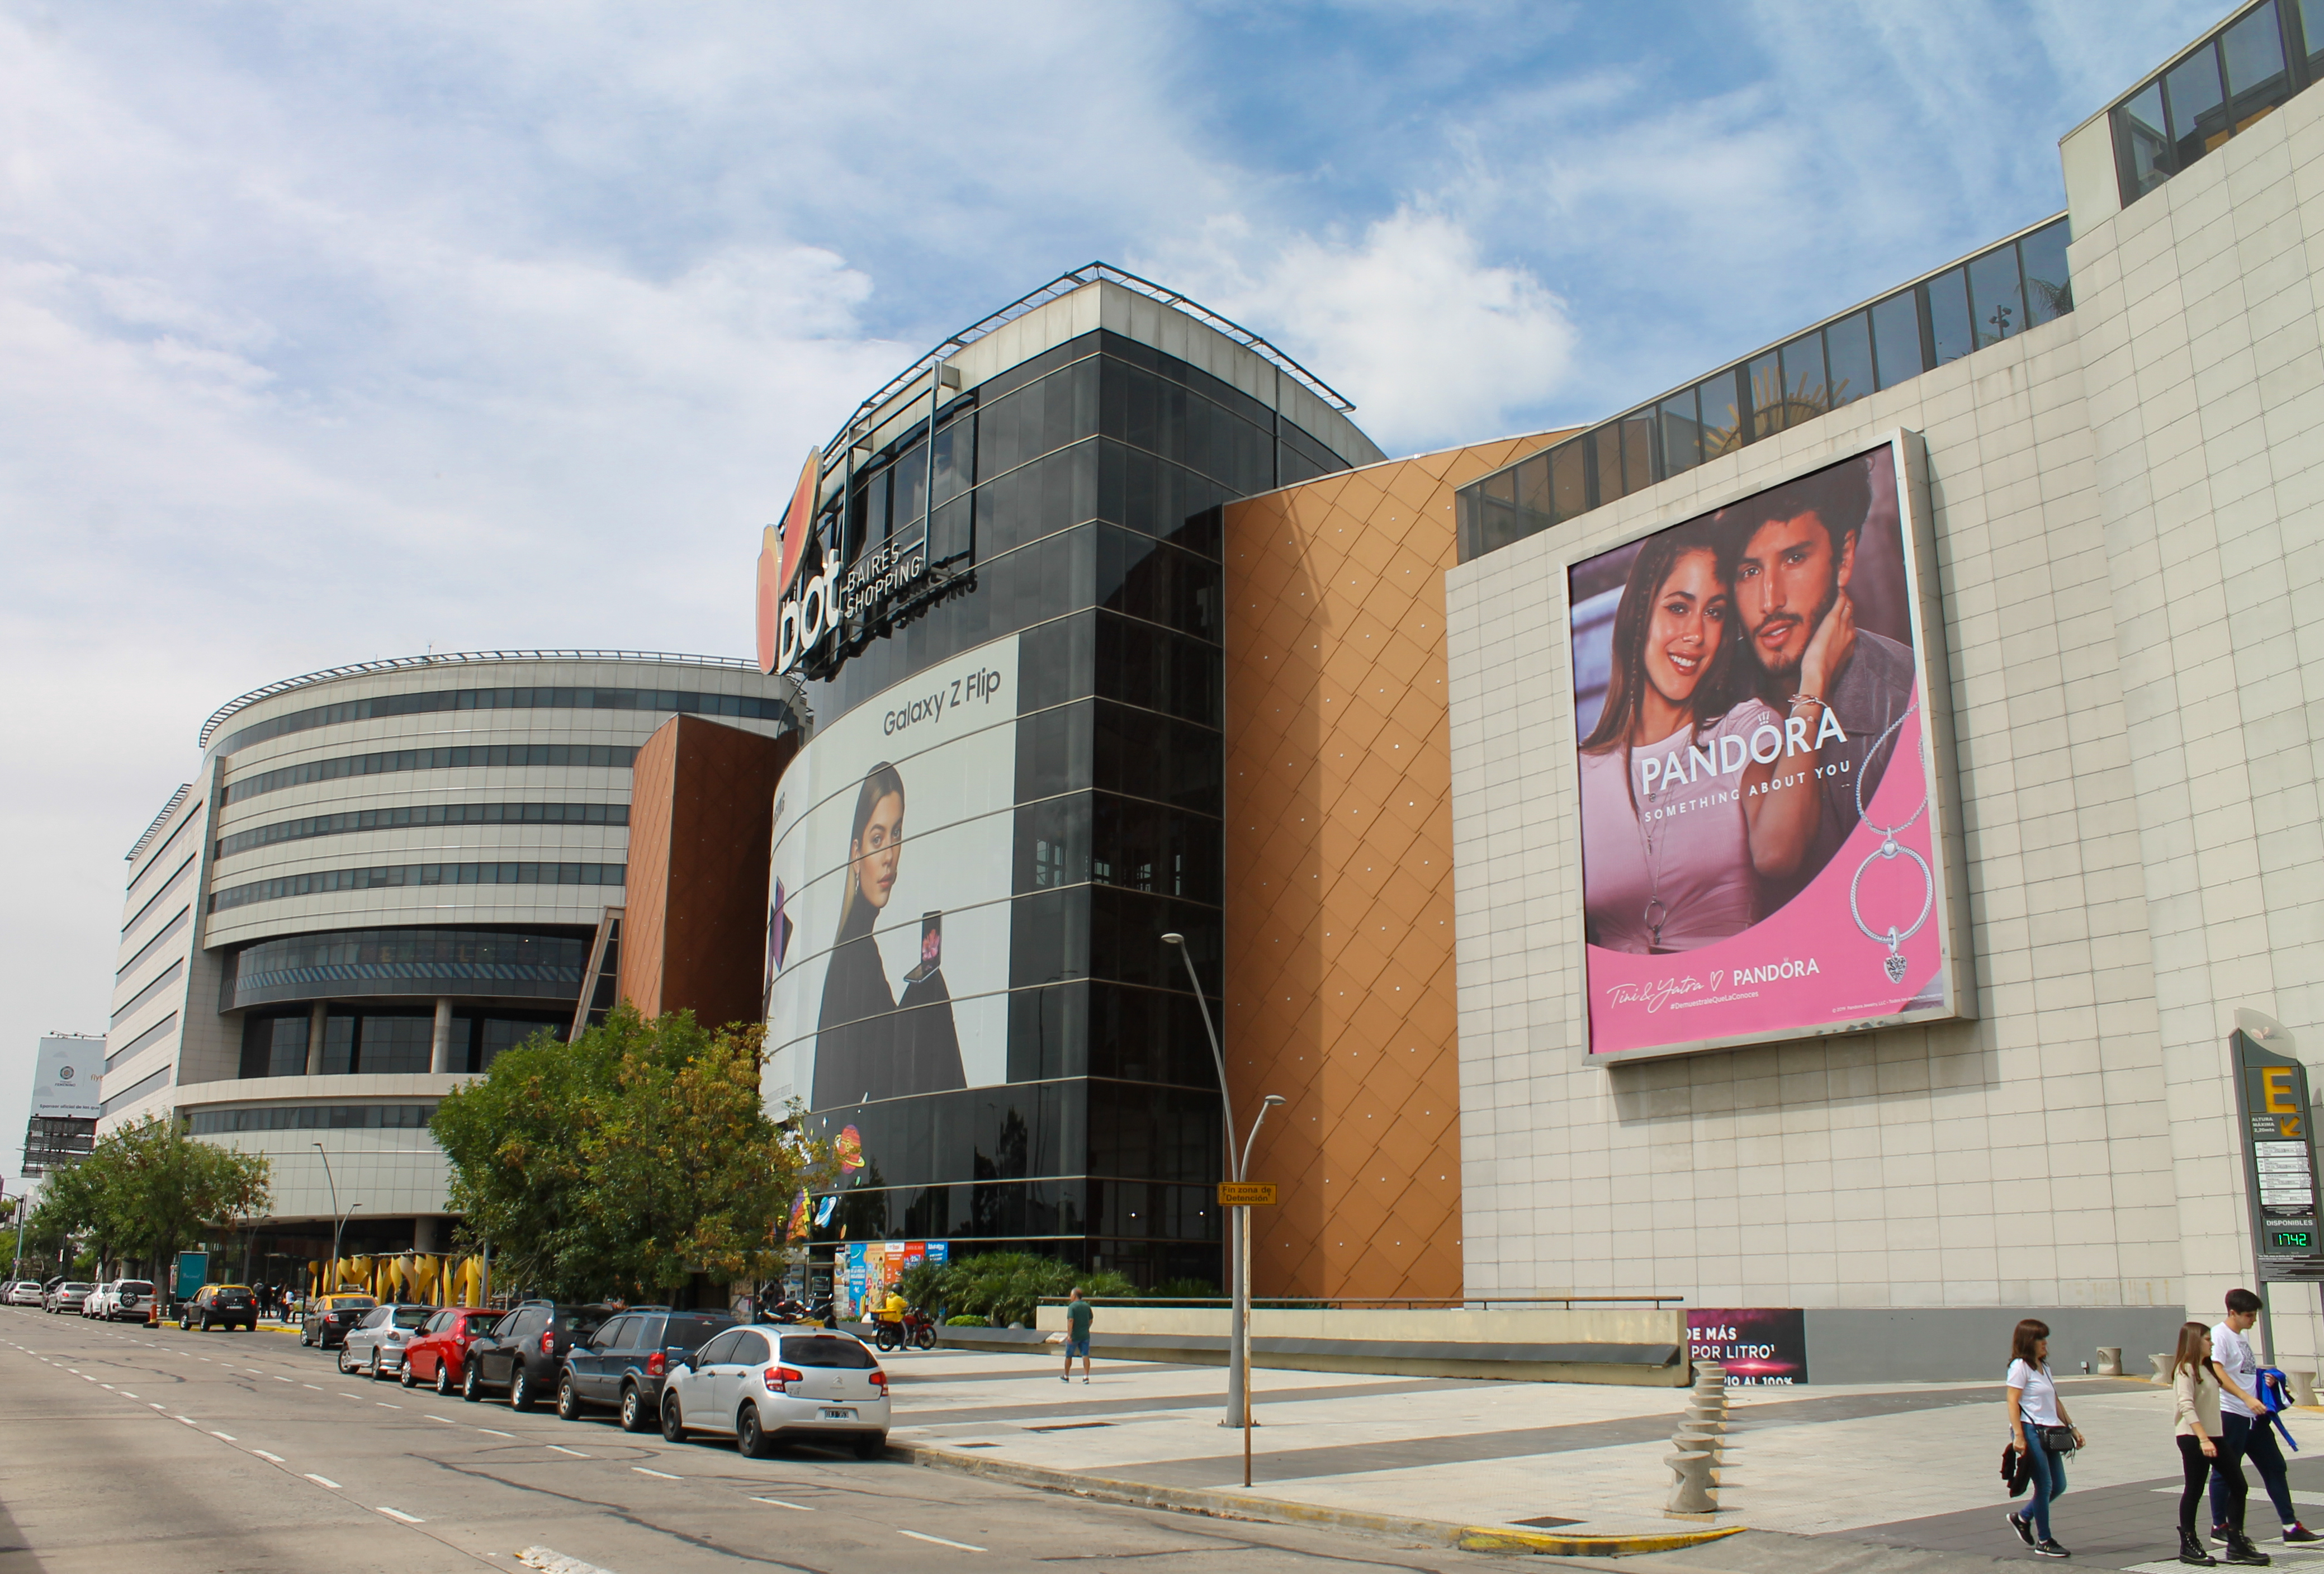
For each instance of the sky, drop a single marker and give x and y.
(329, 333)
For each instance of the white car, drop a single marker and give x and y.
(67, 1296)
(765, 1386)
(127, 1299)
(94, 1301)
(375, 1345)
(25, 1292)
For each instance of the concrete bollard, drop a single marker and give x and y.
(2162, 1368)
(2109, 1363)
(2303, 1387)
(1691, 1495)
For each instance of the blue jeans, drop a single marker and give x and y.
(2254, 1441)
(2049, 1482)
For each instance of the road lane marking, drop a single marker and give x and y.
(322, 1481)
(940, 1541)
(496, 1434)
(577, 1453)
(270, 1458)
(109, 1386)
(447, 1420)
(665, 1475)
(125, 1394)
(779, 1503)
(283, 1380)
(399, 1513)
(157, 1405)
(384, 1405)
(187, 1419)
(229, 1437)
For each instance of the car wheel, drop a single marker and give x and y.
(340, 1360)
(520, 1389)
(444, 1384)
(873, 1446)
(633, 1409)
(376, 1372)
(673, 1420)
(470, 1389)
(404, 1377)
(306, 1341)
(568, 1399)
(750, 1437)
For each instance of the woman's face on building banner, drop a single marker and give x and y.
(880, 848)
(1690, 619)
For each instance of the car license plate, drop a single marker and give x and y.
(839, 1415)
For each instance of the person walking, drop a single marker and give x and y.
(2247, 1420)
(2203, 1446)
(1079, 1315)
(2040, 1431)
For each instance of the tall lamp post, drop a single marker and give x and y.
(338, 1230)
(1238, 1219)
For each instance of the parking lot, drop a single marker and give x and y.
(247, 1451)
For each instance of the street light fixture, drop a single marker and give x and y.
(340, 1228)
(1238, 1250)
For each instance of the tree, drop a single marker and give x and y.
(148, 1189)
(627, 1161)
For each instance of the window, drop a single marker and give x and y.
(1607, 444)
(1948, 318)
(1681, 432)
(1807, 389)
(1997, 296)
(615, 1335)
(275, 1046)
(1896, 346)
(720, 1351)
(686, 1332)
(1847, 348)
(2142, 143)
(1569, 483)
(467, 757)
(2047, 295)
(1763, 381)
(827, 1352)
(2220, 88)
(313, 1117)
(1722, 415)
(323, 825)
(402, 875)
(751, 1349)
(2198, 121)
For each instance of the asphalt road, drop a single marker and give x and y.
(123, 1450)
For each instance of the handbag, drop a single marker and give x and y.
(2058, 1439)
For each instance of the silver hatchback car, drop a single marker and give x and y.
(375, 1345)
(765, 1386)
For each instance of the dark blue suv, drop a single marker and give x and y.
(624, 1365)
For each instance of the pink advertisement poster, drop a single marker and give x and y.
(1759, 842)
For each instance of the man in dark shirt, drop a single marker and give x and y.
(1792, 552)
(1079, 1315)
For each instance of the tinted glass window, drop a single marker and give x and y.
(690, 1333)
(2048, 293)
(578, 1322)
(1607, 440)
(1681, 434)
(615, 1333)
(751, 1349)
(719, 1350)
(1897, 339)
(1949, 319)
(1996, 300)
(825, 1351)
(2311, 23)
(1765, 384)
(413, 1317)
(2198, 121)
(1568, 480)
(1806, 389)
(1847, 348)
(2142, 143)
(2253, 52)
(1722, 420)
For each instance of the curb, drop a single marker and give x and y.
(1232, 1505)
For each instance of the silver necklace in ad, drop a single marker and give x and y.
(1889, 849)
(1654, 914)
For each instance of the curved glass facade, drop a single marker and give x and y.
(355, 963)
(1081, 491)
(308, 826)
(678, 702)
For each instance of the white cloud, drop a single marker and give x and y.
(1433, 343)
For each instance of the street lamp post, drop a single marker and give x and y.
(339, 1229)
(1238, 1219)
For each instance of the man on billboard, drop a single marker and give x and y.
(1794, 552)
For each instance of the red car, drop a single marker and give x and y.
(437, 1354)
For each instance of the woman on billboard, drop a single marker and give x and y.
(1692, 791)
(869, 1044)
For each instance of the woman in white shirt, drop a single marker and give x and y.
(2035, 1418)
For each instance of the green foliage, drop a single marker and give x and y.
(968, 1320)
(626, 1161)
(1185, 1290)
(147, 1191)
(1002, 1286)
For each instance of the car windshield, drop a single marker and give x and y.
(137, 1286)
(78, 1289)
(691, 1333)
(412, 1317)
(826, 1351)
(354, 1303)
(580, 1321)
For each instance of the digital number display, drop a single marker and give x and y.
(2292, 1240)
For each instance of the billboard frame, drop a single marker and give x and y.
(1931, 671)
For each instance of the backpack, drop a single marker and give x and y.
(2273, 1389)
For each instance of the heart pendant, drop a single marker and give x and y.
(1894, 963)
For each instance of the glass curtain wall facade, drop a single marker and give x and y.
(1085, 485)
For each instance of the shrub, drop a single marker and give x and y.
(1003, 1287)
(1185, 1290)
(968, 1320)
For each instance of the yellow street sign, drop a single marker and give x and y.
(1245, 1194)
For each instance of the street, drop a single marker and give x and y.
(246, 1451)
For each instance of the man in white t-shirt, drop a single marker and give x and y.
(2245, 1420)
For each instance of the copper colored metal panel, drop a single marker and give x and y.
(1339, 900)
(701, 820)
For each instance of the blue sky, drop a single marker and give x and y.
(336, 332)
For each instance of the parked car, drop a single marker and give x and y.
(130, 1300)
(376, 1344)
(769, 1386)
(227, 1306)
(330, 1316)
(93, 1303)
(440, 1352)
(26, 1292)
(525, 1350)
(67, 1296)
(625, 1363)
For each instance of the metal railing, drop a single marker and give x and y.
(456, 659)
(161, 819)
(1383, 1303)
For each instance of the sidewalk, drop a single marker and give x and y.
(1904, 1465)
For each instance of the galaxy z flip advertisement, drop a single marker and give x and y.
(888, 905)
(1760, 823)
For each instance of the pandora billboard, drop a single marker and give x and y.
(1760, 810)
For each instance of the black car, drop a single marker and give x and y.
(526, 1349)
(625, 1363)
(330, 1318)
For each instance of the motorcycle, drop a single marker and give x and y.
(917, 1330)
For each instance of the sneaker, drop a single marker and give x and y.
(1066, 1379)
(2301, 1532)
(2049, 1548)
(2025, 1530)
(2287, 1538)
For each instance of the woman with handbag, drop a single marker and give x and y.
(2202, 1444)
(2040, 1433)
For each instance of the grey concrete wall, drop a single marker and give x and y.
(1951, 1344)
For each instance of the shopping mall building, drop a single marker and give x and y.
(1834, 840)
